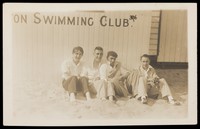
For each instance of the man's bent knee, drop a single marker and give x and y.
(142, 79)
(74, 78)
(102, 82)
(84, 78)
(162, 80)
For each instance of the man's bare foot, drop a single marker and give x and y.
(88, 97)
(72, 97)
(111, 98)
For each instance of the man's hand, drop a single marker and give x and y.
(156, 80)
(150, 81)
(112, 73)
(122, 78)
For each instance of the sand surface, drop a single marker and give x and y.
(47, 101)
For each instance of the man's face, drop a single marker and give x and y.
(145, 62)
(77, 55)
(98, 54)
(111, 60)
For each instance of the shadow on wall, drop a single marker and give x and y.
(167, 65)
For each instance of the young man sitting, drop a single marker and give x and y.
(149, 84)
(114, 76)
(75, 75)
(96, 85)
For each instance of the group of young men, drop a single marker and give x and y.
(109, 80)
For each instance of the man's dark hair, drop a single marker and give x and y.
(112, 53)
(98, 48)
(78, 48)
(144, 55)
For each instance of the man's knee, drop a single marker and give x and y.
(114, 80)
(84, 79)
(74, 78)
(102, 82)
(162, 80)
(142, 79)
(63, 82)
(92, 89)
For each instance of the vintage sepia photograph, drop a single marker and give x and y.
(99, 64)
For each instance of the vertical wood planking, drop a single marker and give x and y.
(146, 33)
(154, 33)
(184, 52)
(56, 46)
(16, 52)
(131, 41)
(121, 34)
(168, 39)
(40, 40)
(140, 39)
(34, 50)
(127, 31)
(173, 36)
(116, 34)
(111, 44)
(101, 35)
(27, 50)
(41, 48)
(162, 32)
(127, 42)
(179, 38)
(92, 37)
(172, 41)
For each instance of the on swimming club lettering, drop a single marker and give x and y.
(104, 21)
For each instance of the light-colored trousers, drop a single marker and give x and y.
(102, 88)
(145, 89)
(119, 87)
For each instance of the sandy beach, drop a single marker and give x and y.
(47, 101)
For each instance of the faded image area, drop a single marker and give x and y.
(42, 41)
